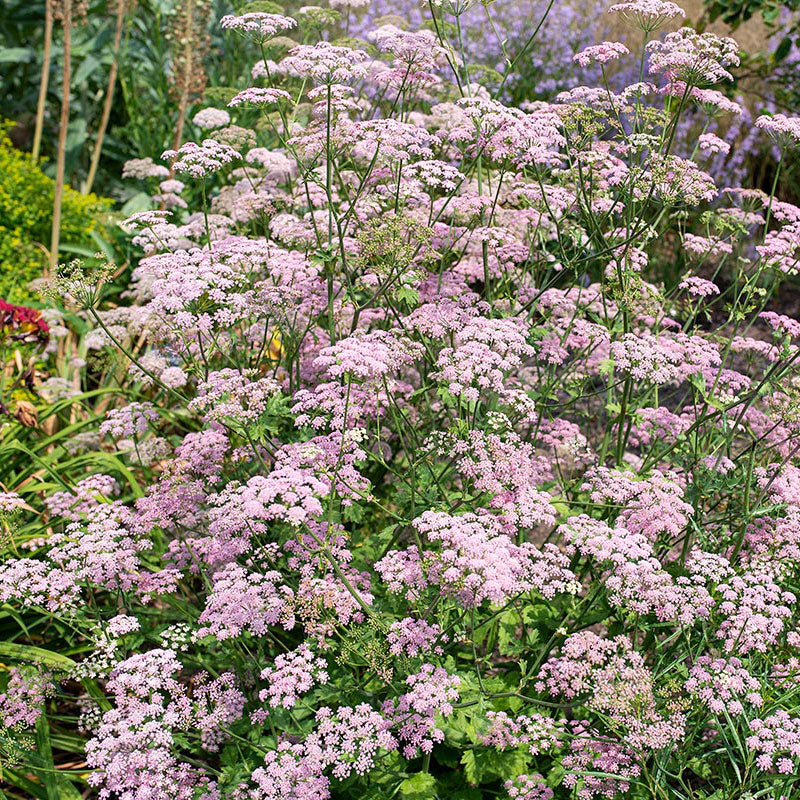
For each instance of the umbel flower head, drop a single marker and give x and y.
(259, 97)
(785, 129)
(325, 63)
(210, 118)
(601, 53)
(697, 59)
(80, 283)
(648, 14)
(258, 26)
(200, 160)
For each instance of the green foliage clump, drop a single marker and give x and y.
(26, 212)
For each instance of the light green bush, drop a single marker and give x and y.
(26, 210)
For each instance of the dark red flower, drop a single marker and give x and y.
(21, 324)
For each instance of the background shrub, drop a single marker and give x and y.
(26, 209)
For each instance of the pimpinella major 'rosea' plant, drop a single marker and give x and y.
(419, 488)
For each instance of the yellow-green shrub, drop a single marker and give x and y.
(26, 212)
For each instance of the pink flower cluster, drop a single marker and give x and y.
(721, 682)
(293, 674)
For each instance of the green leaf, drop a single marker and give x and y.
(467, 793)
(486, 766)
(45, 752)
(21, 448)
(411, 296)
(103, 245)
(783, 49)
(16, 55)
(700, 767)
(139, 202)
(27, 652)
(15, 778)
(470, 767)
(419, 787)
(113, 463)
(67, 790)
(508, 639)
(86, 68)
(77, 249)
(555, 775)
(448, 756)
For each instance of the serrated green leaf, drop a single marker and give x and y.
(470, 767)
(419, 787)
(487, 766)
